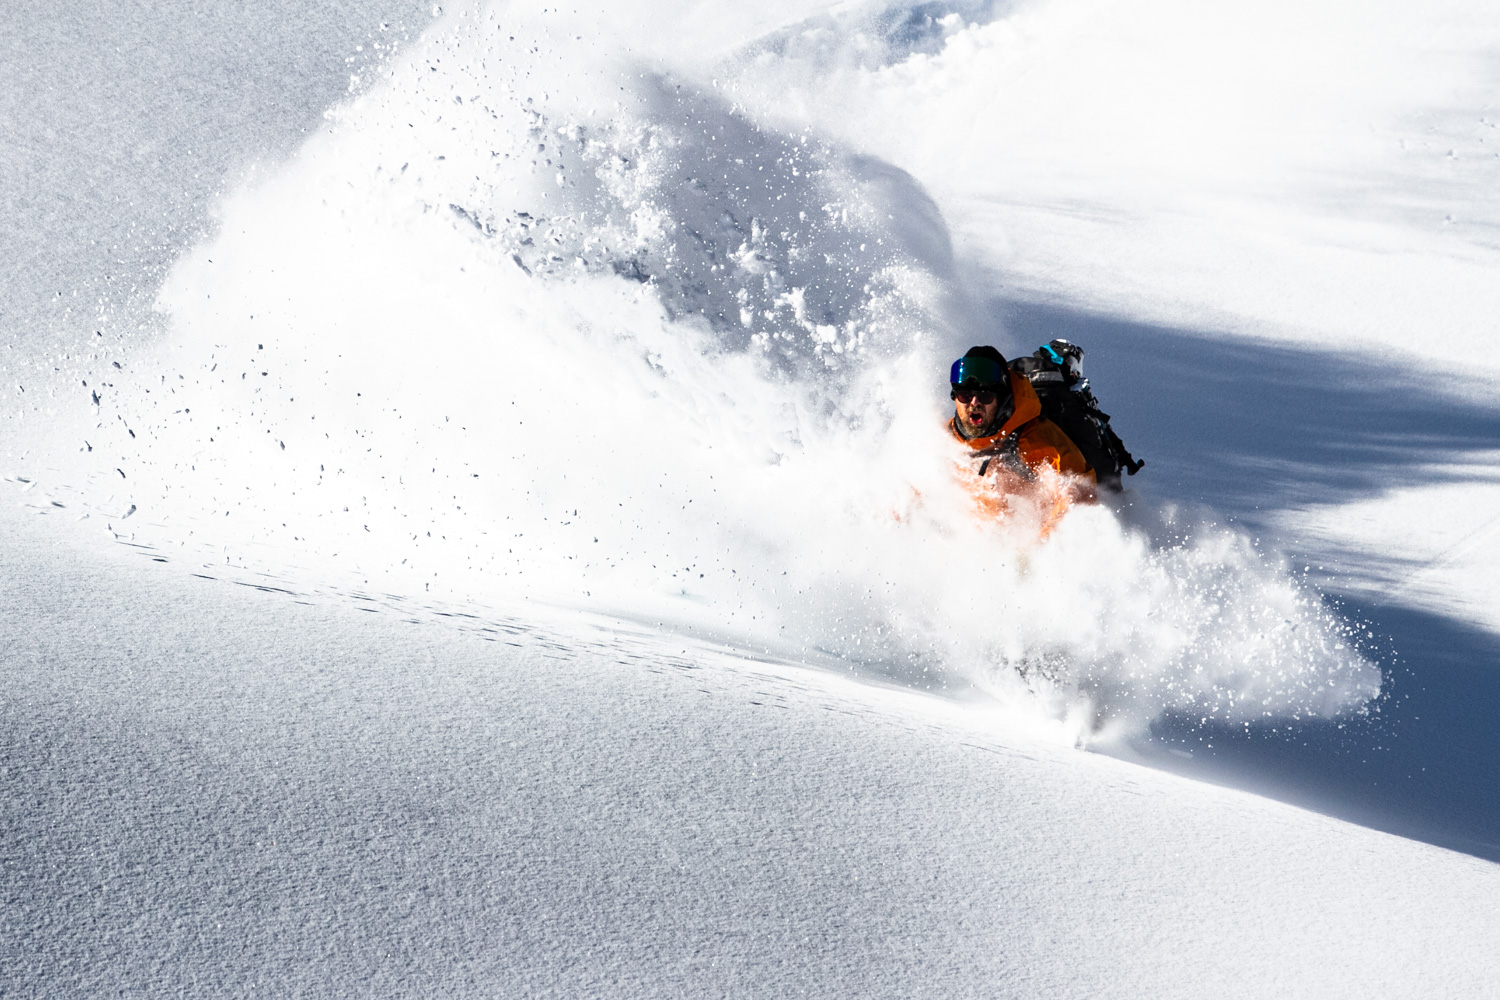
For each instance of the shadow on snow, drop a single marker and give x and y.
(1248, 430)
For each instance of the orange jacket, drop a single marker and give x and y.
(1021, 452)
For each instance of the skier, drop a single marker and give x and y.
(1012, 450)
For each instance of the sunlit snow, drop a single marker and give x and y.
(555, 579)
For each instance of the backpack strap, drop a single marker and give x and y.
(1009, 452)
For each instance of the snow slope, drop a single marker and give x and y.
(621, 341)
(213, 789)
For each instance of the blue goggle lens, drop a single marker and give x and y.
(985, 371)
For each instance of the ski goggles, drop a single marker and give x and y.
(985, 371)
(984, 397)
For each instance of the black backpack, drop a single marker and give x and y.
(1067, 401)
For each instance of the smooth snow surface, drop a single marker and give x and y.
(570, 385)
(1451, 567)
(214, 790)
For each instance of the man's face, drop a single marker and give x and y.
(975, 409)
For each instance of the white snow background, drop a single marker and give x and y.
(596, 356)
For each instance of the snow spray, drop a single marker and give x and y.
(533, 317)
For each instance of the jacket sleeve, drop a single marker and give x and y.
(1044, 443)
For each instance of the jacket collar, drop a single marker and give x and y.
(1027, 408)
